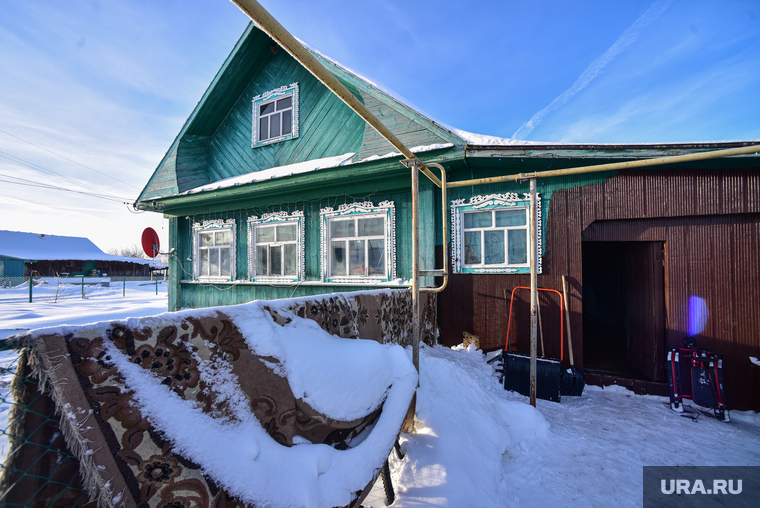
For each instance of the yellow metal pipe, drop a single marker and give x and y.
(281, 36)
(445, 233)
(716, 154)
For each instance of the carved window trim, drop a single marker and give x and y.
(277, 93)
(297, 217)
(385, 209)
(215, 225)
(490, 202)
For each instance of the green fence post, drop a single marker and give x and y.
(124, 288)
(82, 286)
(31, 283)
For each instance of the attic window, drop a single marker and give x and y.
(275, 116)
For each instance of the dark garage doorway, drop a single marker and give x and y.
(624, 309)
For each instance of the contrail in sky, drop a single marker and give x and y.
(626, 39)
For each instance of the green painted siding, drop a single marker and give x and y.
(327, 126)
(205, 295)
(11, 267)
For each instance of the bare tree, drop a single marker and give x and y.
(132, 251)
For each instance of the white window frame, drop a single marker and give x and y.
(216, 225)
(272, 96)
(273, 219)
(459, 207)
(385, 210)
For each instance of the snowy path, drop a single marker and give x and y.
(592, 454)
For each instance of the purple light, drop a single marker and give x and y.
(698, 315)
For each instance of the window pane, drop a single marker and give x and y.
(517, 240)
(505, 218)
(265, 234)
(371, 227)
(224, 262)
(287, 122)
(376, 255)
(290, 259)
(275, 259)
(284, 103)
(274, 126)
(477, 220)
(265, 109)
(342, 228)
(207, 239)
(494, 247)
(286, 233)
(338, 258)
(204, 263)
(472, 254)
(213, 266)
(261, 260)
(264, 128)
(356, 254)
(222, 238)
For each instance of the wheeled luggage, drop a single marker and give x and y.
(697, 374)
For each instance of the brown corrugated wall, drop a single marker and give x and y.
(710, 223)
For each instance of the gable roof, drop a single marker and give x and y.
(176, 173)
(35, 247)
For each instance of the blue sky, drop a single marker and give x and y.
(108, 84)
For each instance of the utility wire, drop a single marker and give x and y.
(37, 167)
(63, 157)
(28, 183)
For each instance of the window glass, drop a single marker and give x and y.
(275, 259)
(261, 260)
(287, 233)
(506, 218)
(207, 239)
(265, 234)
(266, 109)
(290, 259)
(472, 251)
(224, 262)
(287, 122)
(284, 103)
(338, 258)
(264, 128)
(494, 247)
(477, 220)
(517, 239)
(371, 227)
(204, 263)
(213, 262)
(222, 238)
(342, 228)
(274, 126)
(376, 257)
(356, 254)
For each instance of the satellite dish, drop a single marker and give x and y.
(150, 242)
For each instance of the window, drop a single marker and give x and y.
(490, 234)
(214, 252)
(275, 247)
(275, 116)
(358, 243)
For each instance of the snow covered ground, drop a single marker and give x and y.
(478, 445)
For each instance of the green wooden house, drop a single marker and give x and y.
(274, 188)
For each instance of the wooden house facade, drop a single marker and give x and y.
(274, 188)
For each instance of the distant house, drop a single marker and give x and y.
(275, 188)
(50, 255)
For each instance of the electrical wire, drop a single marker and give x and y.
(28, 183)
(37, 167)
(66, 158)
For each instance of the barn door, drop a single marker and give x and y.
(645, 315)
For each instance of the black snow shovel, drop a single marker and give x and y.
(516, 367)
(572, 382)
